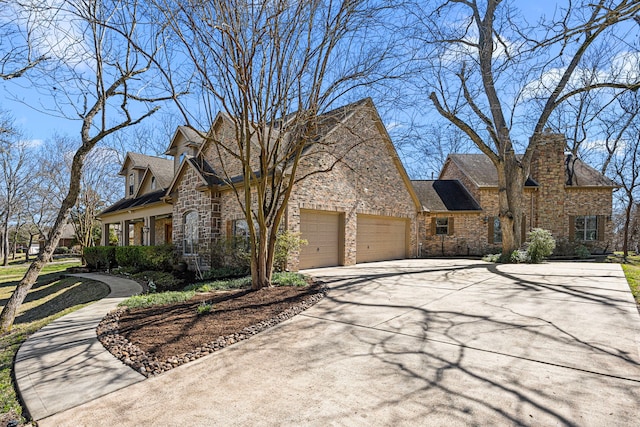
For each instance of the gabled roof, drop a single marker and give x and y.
(135, 202)
(445, 195)
(208, 176)
(193, 137)
(326, 124)
(480, 169)
(580, 174)
(161, 168)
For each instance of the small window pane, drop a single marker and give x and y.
(586, 227)
(442, 226)
(497, 230)
(132, 182)
(190, 239)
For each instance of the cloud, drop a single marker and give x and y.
(55, 29)
(624, 68)
(32, 143)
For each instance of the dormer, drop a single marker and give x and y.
(185, 143)
(145, 174)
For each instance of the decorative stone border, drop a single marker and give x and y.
(148, 365)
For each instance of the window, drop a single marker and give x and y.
(497, 230)
(153, 182)
(132, 182)
(586, 227)
(190, 227)
(442, 226)
(240, 228)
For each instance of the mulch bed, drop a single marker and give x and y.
(156, 339)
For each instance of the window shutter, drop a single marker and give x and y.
(490, 228)
(600, 224)
(523, 227)
(572, 228)
(229, 229)
(450, 228)
(433, 226)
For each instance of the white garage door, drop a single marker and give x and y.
(322, 231)
(381, 238)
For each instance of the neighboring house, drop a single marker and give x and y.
(562, 195)
(363, 208)
(67, 239)
(141, 217)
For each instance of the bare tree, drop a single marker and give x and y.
(110, 57)
(18, 51)
(499, 79)
(13, 166)
(271, 68)
(627, 169)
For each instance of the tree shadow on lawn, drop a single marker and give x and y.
(76, 291)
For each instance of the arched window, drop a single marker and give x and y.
(190, 227)
(132, 182)
(153, 182)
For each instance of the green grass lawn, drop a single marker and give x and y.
(51, 297)
(631, 268)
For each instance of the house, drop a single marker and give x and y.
(362, 208)
(563, 195)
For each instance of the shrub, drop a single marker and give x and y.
(225, 273)
(100, 257)
(160, 257)
(204, 307)
(288, 279)
(541, 245)
(61, 250)
(232, 252)
(286, 243)
(582, 252)
(519, 256)
(128, 256)
(492, 257)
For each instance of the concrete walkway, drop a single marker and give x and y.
(64, 365)
(415, 342)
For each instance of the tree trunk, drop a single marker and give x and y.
(26, 254)
(5, 237)
(627, 222)
(510, 190)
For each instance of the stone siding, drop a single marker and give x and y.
(360, 176)
(363, 179)
(187, 199)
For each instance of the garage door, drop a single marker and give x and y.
(380, 238)
(322, 231)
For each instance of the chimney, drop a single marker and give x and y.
(548, 169)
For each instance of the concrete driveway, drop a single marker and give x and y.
(416, 342)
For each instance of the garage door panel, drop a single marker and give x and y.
(322, 231)
(380, 238)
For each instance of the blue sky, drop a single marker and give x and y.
(39, 126)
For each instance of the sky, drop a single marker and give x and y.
(38, 126)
